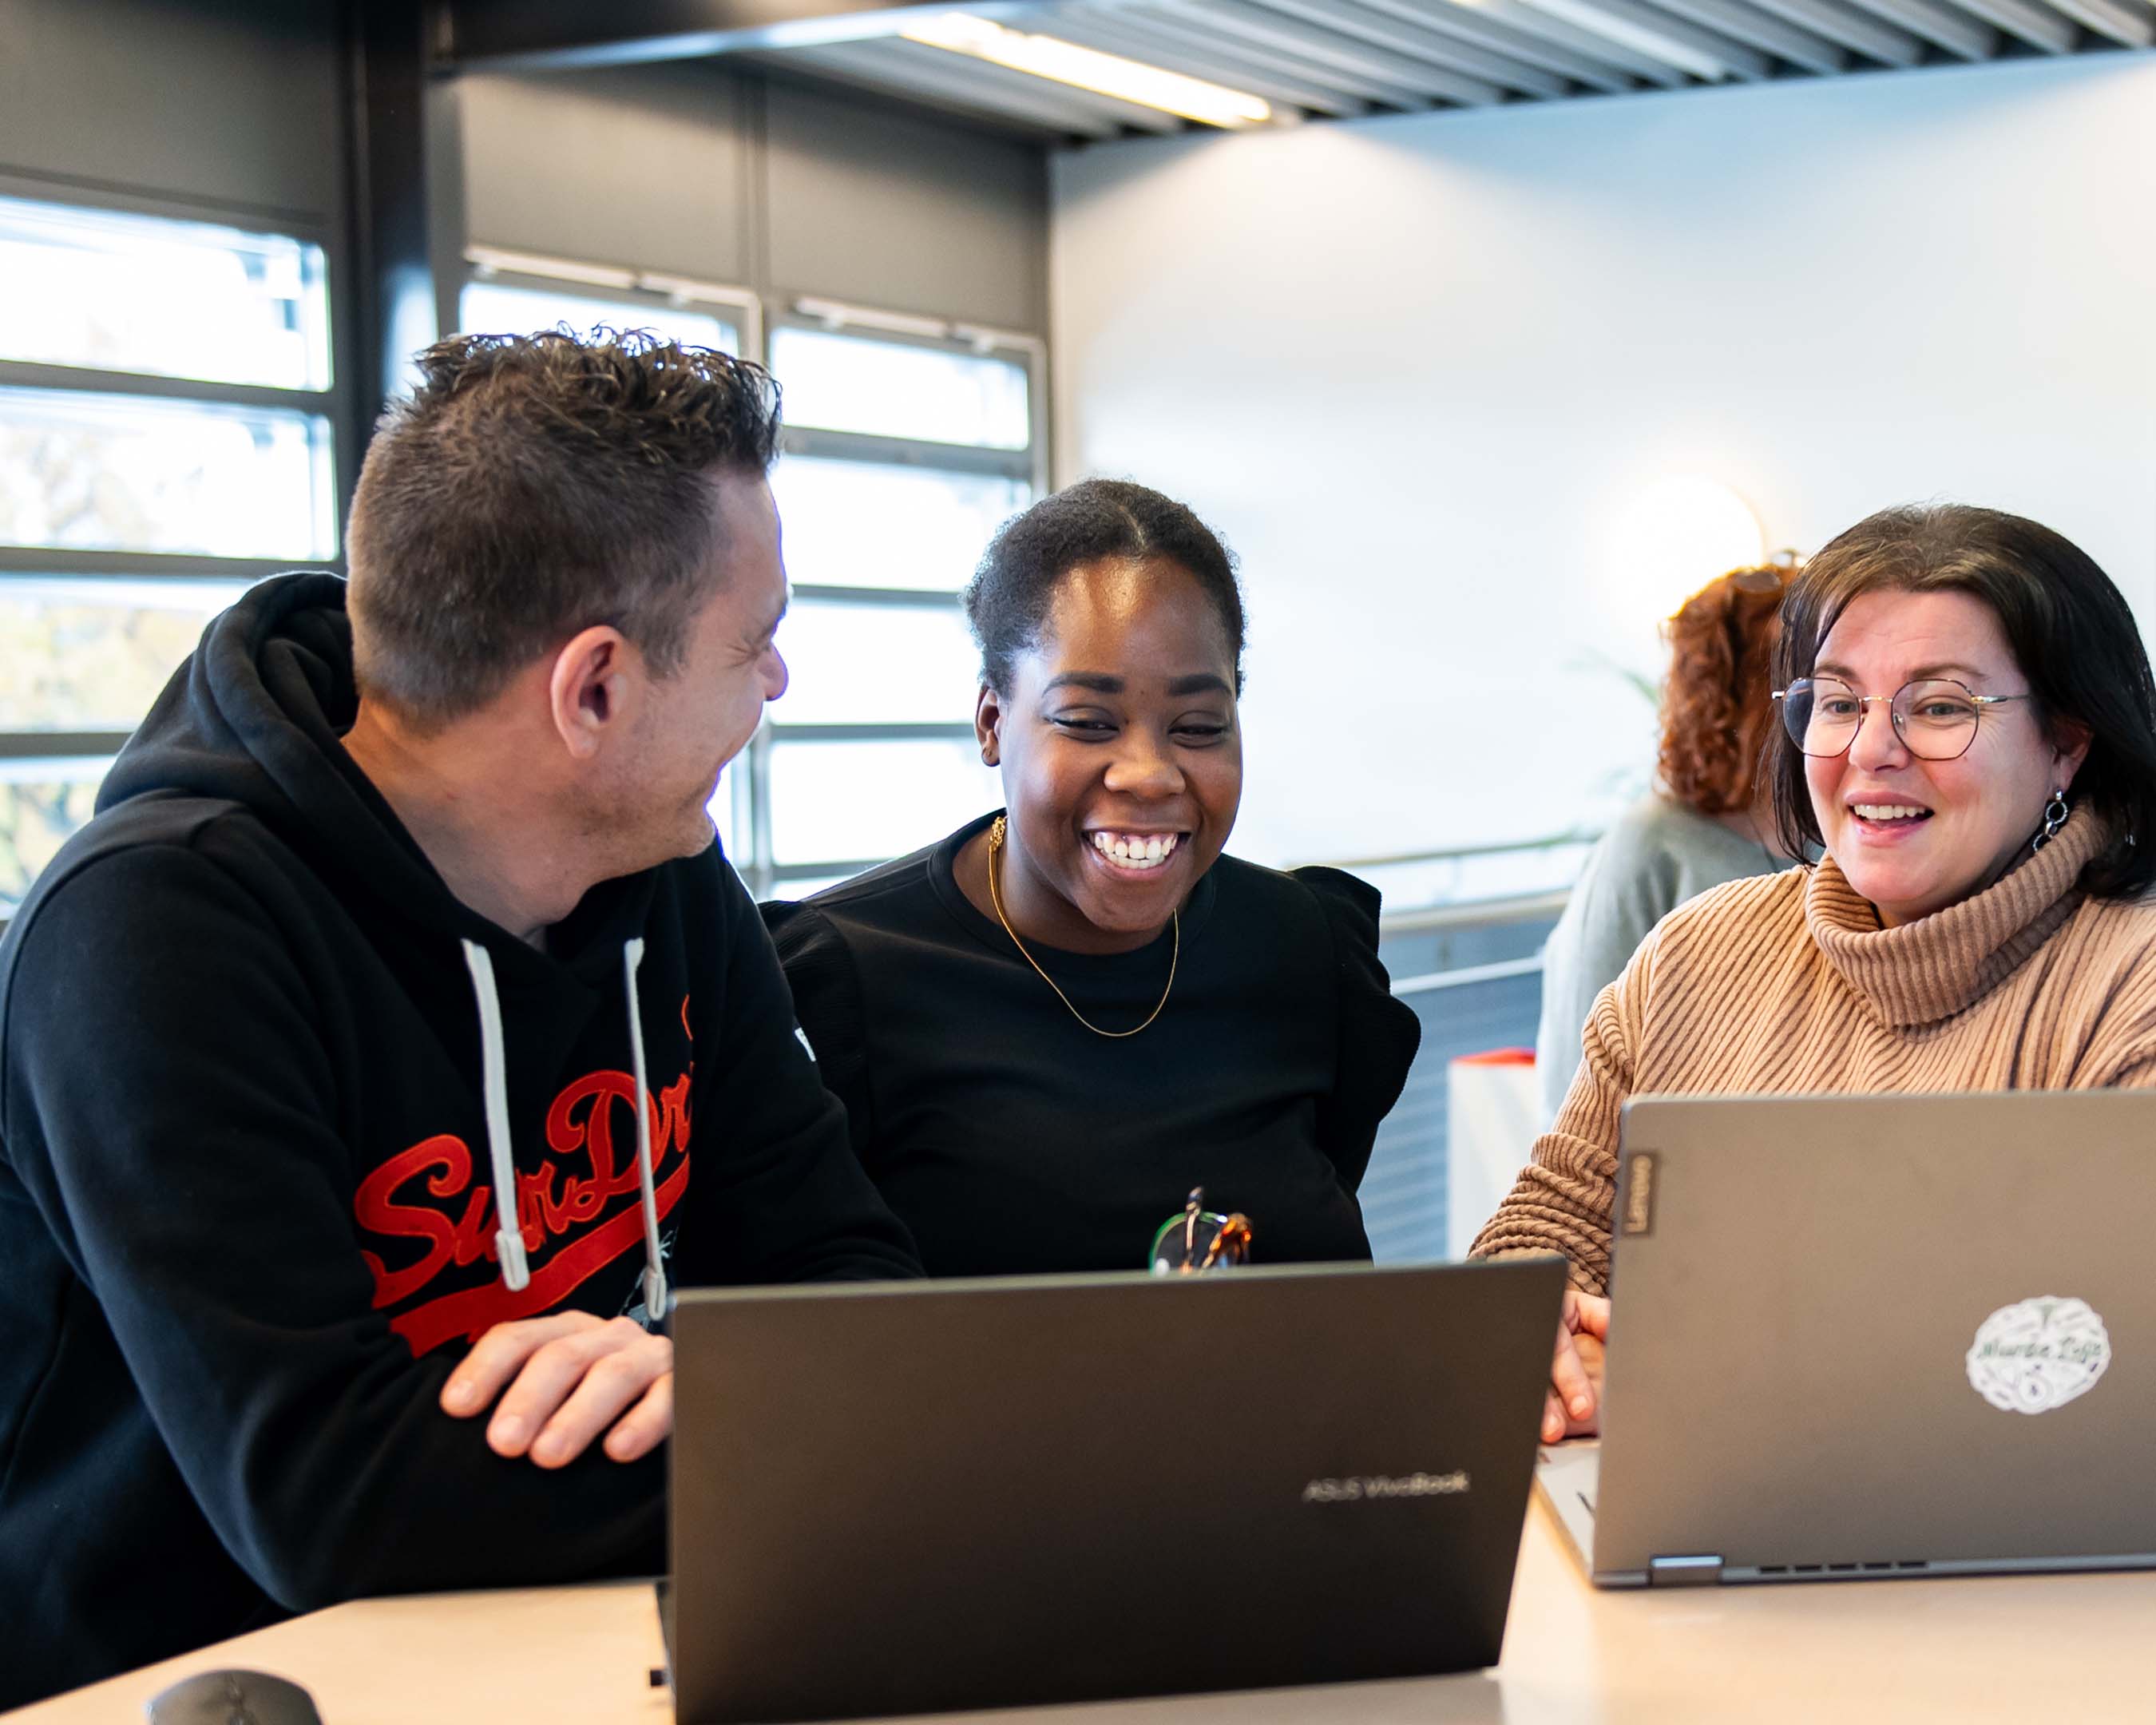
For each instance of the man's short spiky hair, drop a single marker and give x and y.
(531, 486)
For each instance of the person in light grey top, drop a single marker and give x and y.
(1704, 824)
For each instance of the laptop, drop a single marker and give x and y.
(1859, 1336)
(914, 1497)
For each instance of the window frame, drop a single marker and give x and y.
(68, 749)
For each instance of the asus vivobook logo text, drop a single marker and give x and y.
(1358, 1488)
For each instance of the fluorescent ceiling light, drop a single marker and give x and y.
(1087, 67)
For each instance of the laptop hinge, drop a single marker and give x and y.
(1705, 1571)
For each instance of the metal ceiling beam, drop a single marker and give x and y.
(1748, 23)
(2130, 25)
(1475, 27)
(1023, 85)
(1117, 33)
(1853, 29)
(1200, 35)
(859, 64)
(1542, 25)
(1417, 42)
(1416, 84)
(1705, 54)
(2038, 26)
(1940, 24)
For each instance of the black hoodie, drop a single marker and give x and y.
(247, 1223)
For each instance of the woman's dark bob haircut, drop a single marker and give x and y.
(2072, 635)
(1095, 521)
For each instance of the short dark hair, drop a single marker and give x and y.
(1095, 521)
(2071, 632)
(531, 486)
(1716, 704)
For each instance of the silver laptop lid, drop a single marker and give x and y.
(1880, 1334)
(902, 1498)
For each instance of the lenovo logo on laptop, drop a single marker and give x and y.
(1360, 1488)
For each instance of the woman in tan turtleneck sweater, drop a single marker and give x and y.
(1969, 739)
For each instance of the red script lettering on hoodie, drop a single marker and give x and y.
(414, 1195)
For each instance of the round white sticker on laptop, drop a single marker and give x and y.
(2038, 1354)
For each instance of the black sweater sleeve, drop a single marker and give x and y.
(1378, 1034)
(826, 1001)
(789, 1201)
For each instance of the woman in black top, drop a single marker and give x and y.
(1052, 1025)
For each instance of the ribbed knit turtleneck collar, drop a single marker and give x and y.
(1932, 968)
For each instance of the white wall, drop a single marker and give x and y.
(1415, 368)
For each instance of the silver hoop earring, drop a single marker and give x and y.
(2055, 817)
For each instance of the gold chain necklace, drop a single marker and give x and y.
(996, 834)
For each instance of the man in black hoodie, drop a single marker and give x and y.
(349, 1057)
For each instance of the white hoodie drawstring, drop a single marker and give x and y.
(494, 1069)
(493, 1076)
(654, 1274)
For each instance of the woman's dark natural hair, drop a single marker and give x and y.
(2072, 636)
(532, 487)
(1716, 704)
(1094, 520)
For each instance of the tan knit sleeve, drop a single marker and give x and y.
(1562, 1201)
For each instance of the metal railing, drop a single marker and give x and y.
(1441, 913)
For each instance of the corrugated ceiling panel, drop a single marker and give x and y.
(1416, 44)
(1340, 59)
(1859, 31)
(1181, 27)
(1471, 24)
(1747, 24)
(2037, 25)
(1411, 79)
(1944, 27)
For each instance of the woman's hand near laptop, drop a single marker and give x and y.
(1573, 1405)
(564, 1379)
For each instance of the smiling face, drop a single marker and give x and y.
(1121, 755)
(1915, 836)
(694, 720)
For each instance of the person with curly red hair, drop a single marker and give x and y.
(1705, 823)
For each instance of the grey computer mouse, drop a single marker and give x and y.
(233, 1698)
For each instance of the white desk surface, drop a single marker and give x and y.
(2030, 1650)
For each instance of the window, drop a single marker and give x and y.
(134, 293)
(167, 413)
(907, 444)
(111, 472)
(843, 382)
(873, 524)
(87, 654)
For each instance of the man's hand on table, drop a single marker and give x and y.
(562, 1380)
(1573, 1406)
